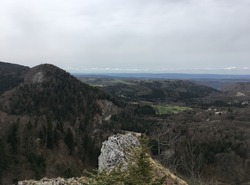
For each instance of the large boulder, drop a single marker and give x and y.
(116, 151)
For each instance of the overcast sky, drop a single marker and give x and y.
(189, 36)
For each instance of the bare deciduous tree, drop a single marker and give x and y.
(166, 138)
(192, 161)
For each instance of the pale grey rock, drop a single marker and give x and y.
(54, 181)
(115, 152)
(38, 77)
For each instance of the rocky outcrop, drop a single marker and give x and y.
(116, 151)
(108, 109)
(55, 181)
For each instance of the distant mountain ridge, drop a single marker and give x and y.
(217, 81)
(159, 91)
(177, 76)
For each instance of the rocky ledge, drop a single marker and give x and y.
(55, 181)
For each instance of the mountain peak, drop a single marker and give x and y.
(42, 73)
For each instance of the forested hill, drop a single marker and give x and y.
(8, 68)
(239, 89)
(49, 123)
(48, 90)
(162, 91)
(10, 75)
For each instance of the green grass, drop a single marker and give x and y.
(169, 109)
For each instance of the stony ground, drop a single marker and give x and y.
(55, 181)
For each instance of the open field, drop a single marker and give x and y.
(169, 109)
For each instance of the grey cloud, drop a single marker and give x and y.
(126, 34)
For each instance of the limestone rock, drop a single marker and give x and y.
(55, 181)
(116, 152)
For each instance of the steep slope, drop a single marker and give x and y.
(49, 125)
(10, 75)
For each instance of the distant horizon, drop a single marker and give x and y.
(156, 73)
(230, 71)
(165, 75)
(226, 71)
(153, 73)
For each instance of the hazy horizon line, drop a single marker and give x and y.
(211, 71)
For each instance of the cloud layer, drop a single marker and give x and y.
(127, 34)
